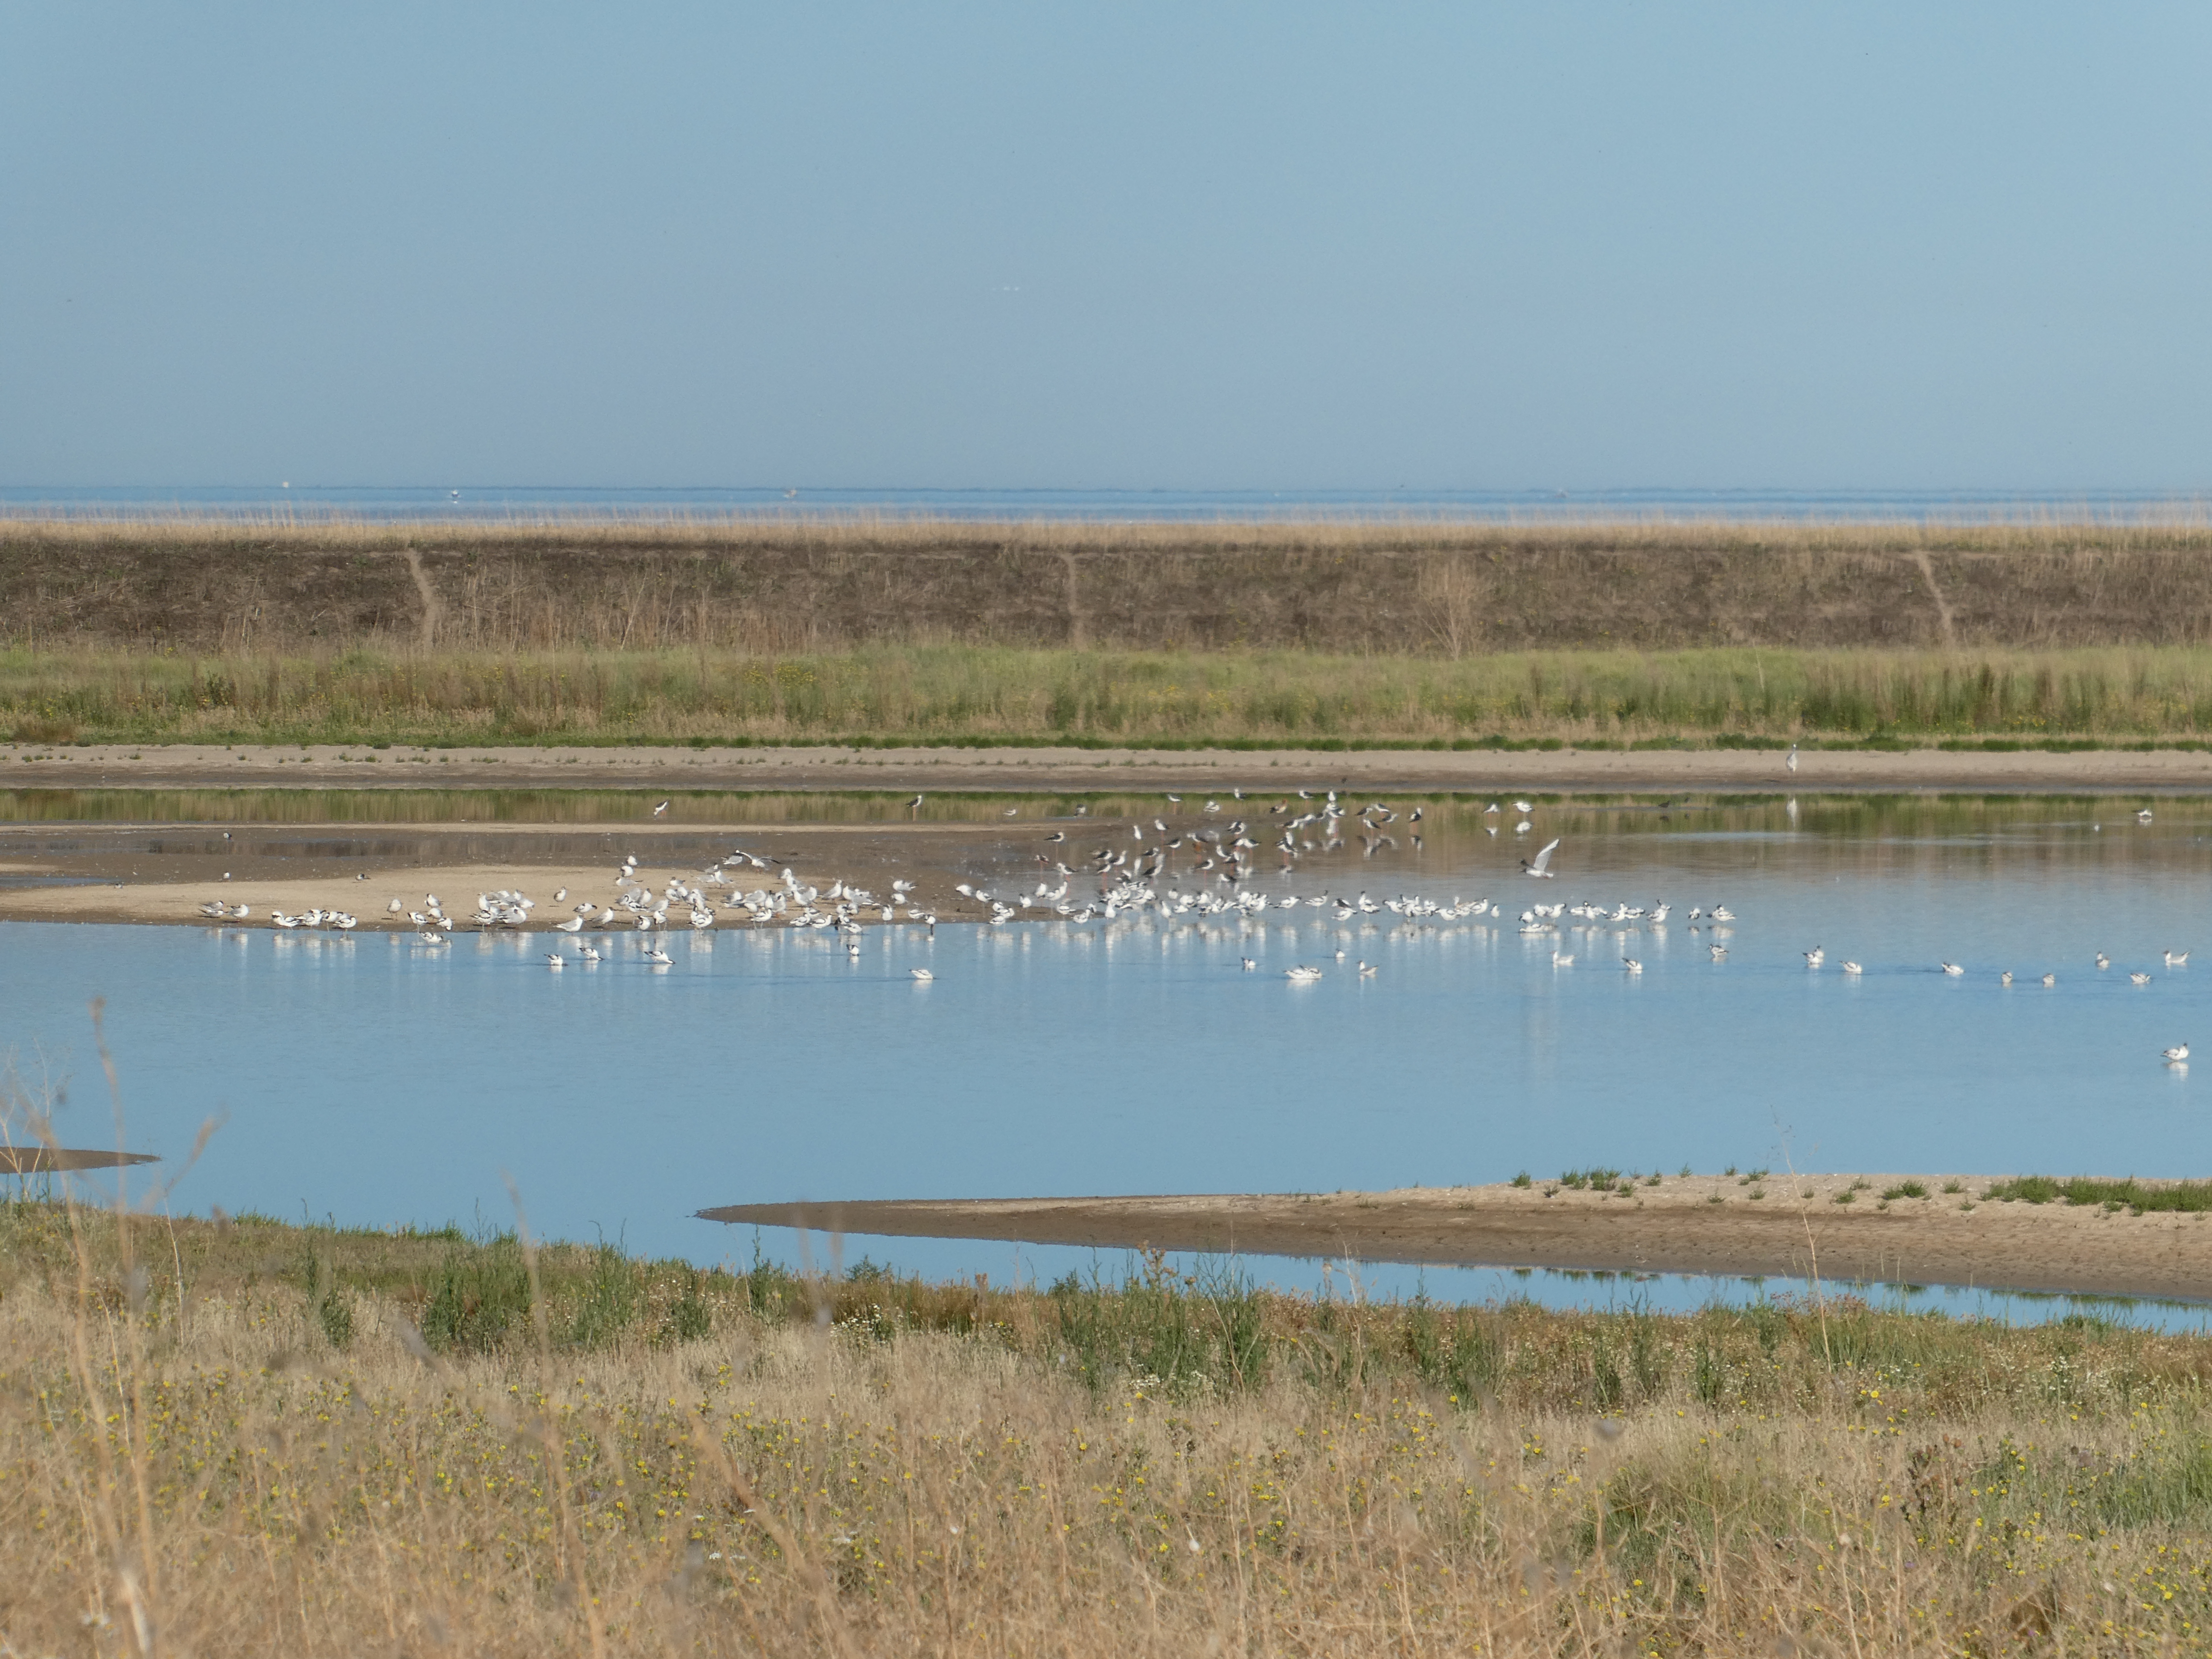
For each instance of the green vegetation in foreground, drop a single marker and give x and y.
(395, 1432)
(1210, 1330)
(2184, 1195)
(977, 695)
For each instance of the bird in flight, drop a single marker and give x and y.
(1539, 866)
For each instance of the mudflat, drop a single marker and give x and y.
(1016, 770)
(1794, 1227)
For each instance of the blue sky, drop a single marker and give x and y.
(1444, 246)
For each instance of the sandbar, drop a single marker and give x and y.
(1704, 1225)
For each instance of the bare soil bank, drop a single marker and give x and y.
(1676, 1227)
(801, 584)
(1026, 770)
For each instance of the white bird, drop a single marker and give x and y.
(2005, 978)
(1558, 961)
(1302, 975)
(555, 959)
(587, 953)
(1952, 968)
(1853, 968)
(574, 925)
(1790, 760)
(2050, 979)
(1486, 812)
(658, 956)
(2143, 817)
(920, 975)
(1540, 865)
(2175, 1055)
(1523, 808)
(1816, 956)
(559, 894)
(2176, 958)
(1366, 971)
(1631, 965)
(661, 811)
(392, 908)
(1250, 964)
(2138, 979)
(2103, 962)
(1720, 952)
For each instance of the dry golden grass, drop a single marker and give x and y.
(194, 1466)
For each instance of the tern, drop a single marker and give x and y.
(1523, 808)
(1853, 969)
(574, 925)
(2177, 1054)
(2176, 958)
(1540, 865)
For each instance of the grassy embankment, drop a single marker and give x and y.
(253, 1438)
(990, 694)
(775, 631)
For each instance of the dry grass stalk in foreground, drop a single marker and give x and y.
(218, 1465)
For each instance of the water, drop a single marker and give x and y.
(503, 502)
(367, 1080)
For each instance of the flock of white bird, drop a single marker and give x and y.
(1133, 883)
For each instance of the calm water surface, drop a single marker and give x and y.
(366, 1079)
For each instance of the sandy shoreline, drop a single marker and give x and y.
(207, 766)
(1676, 1227)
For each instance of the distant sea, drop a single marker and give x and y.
(530, 503)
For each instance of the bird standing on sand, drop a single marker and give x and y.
(1790, 760)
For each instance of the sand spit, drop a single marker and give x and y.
(360, 767)
(1685, 1224)
(111, 872)
(45, 1160)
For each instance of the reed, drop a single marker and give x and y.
(951, 694)
(1160, 1465)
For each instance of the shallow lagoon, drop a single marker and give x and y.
(366, 1079)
